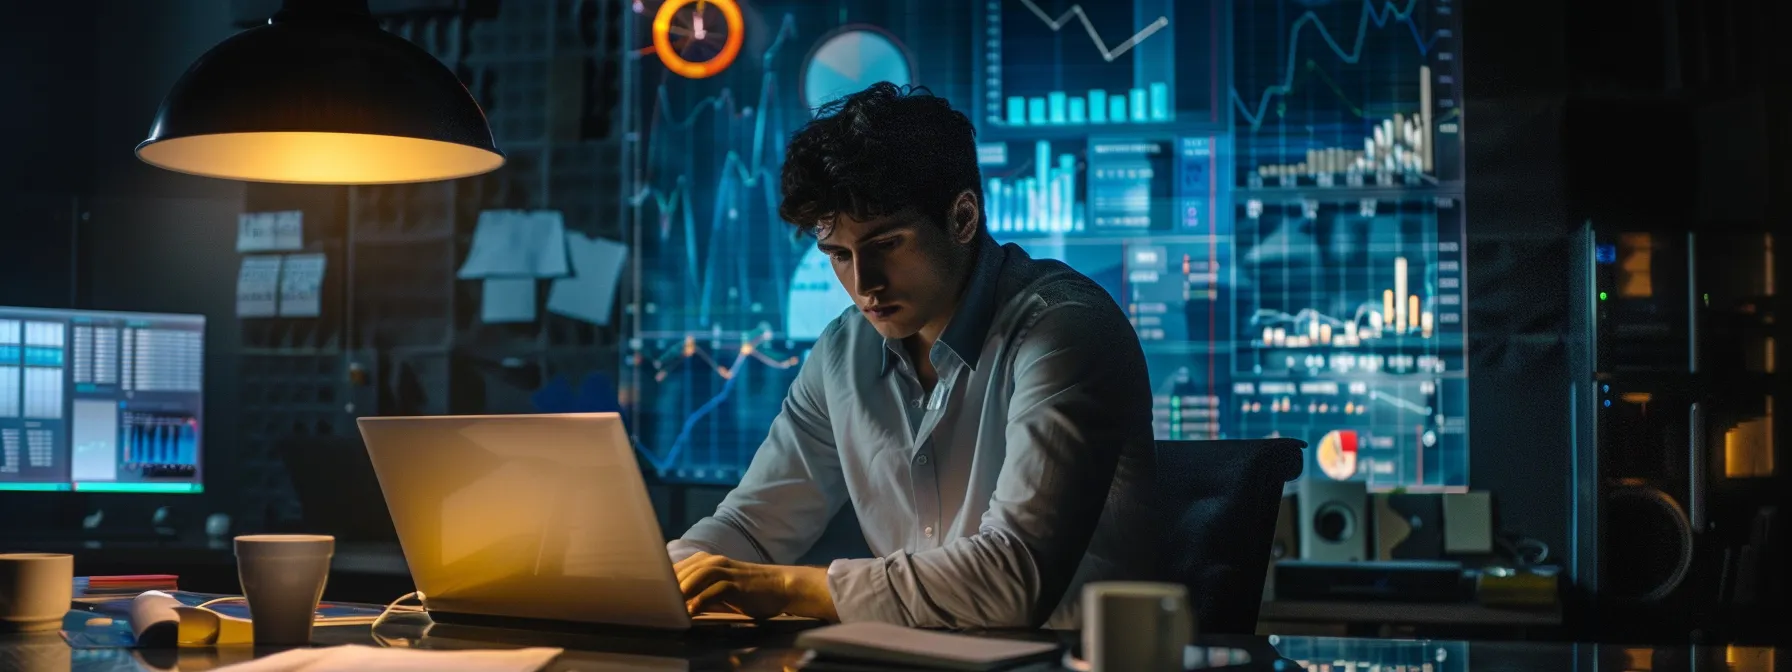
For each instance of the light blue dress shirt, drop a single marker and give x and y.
(1026, 473)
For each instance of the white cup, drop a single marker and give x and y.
(35, 590)
(1136, 626)
(283, 577)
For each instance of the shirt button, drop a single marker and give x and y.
(916, 403)
(922, 459)
(927, 532)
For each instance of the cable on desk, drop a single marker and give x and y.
(394, 607)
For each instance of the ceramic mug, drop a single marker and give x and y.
(35, 590)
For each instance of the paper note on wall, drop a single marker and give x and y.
(258, 287)
(508, 300)
(254, 232)
(590, 294)
(270, 231)
(517, 244)
(301, 285)
(289, 229)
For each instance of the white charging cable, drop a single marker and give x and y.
(395, 607)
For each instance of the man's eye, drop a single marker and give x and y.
(839, 257)
(888, 243)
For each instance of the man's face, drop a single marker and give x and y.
(900, 270)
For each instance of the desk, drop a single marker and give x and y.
(1407, 613)
(359, 571)
(749, 648)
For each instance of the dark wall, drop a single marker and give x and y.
(1516, 85)
(83, 223)
(48, 117)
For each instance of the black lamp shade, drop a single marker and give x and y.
(321, 95)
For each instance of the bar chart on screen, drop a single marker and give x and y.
(1346, 94)
(1349, 335)
(1116, 65)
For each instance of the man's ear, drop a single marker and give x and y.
(965, 219)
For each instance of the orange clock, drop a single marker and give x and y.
(662, 38)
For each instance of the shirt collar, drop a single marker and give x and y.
(964, 335)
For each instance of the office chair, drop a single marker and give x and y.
(1223, 497)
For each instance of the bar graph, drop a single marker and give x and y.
(1057, 108)
(1396, 151)
(1347, 94)
(1381, 275)
(153, 439)
(1397, 314)
(1114, 63)
(1041, 198)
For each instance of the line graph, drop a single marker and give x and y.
(1318, 107)
(1081, 86)
(679, 355)
(708, 362)
(1352, 56)
(742, 183)
(1076, 12)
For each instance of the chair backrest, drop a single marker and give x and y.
(1223, 497)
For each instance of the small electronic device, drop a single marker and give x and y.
(1391, 581)
(97, 401)
(539, 517)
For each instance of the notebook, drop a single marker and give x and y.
(887, 644)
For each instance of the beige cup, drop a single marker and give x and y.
(1136, 626)
(283, 577)
(35, 590)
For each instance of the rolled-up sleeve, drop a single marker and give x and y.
(1077, 378)
(791, 489)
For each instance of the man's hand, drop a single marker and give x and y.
(717, 583)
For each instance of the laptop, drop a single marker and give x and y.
(532, 517)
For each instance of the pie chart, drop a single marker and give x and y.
(850, 59)
(1337, 454)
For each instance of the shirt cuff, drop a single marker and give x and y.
(715, 537)
(864, 590)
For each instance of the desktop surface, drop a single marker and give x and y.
(773, 648)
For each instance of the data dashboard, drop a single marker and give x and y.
(100, 401)
(1271, 190)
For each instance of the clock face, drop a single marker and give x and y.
(850, 60)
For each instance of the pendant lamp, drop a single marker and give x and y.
(321, 95)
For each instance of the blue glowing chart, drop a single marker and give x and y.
(851, 60)
(1271, 190)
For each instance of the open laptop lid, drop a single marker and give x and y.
(528, 516)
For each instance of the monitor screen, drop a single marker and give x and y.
(96, 401)
(1271, 189)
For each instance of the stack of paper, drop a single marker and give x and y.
(356, 658)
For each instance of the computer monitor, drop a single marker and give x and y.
(96, 401)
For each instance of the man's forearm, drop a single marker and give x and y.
(807, 588)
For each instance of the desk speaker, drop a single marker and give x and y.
(1408, 527)
(1334, 521)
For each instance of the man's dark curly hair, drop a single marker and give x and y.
(876, 153)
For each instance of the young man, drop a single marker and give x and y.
(987, 414)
